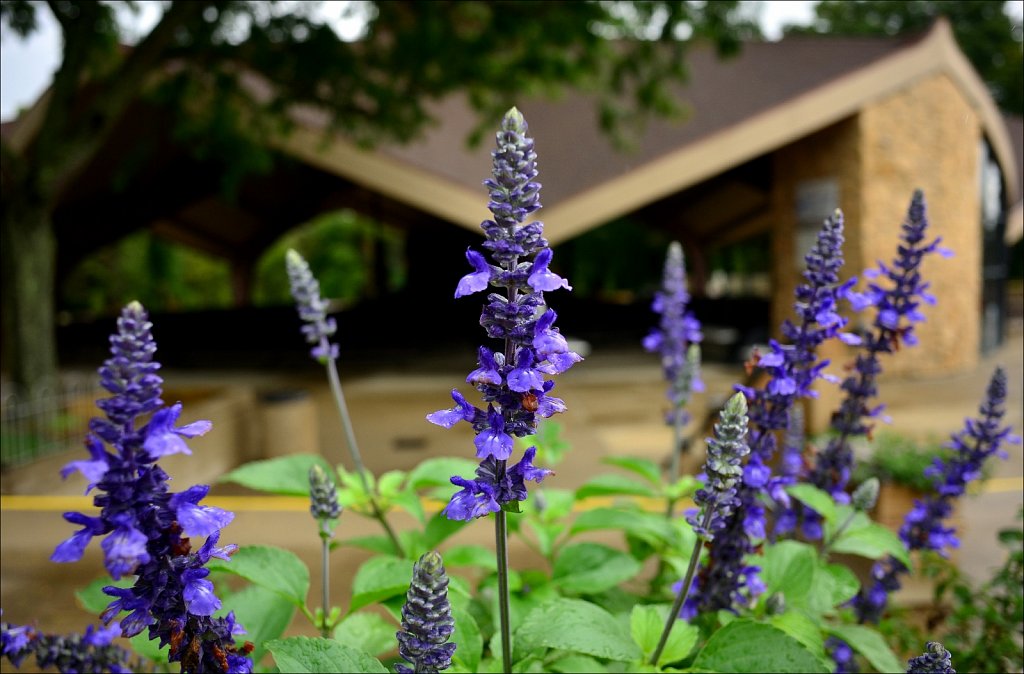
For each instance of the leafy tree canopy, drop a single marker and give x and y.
(990, 38)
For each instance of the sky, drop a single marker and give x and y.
(27, 66)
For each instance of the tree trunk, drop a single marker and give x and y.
(28, 257)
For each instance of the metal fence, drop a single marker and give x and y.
(51, 420)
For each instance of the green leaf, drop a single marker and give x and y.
(590, 568)
(646, 526)
(873, 541)
(804, 630)
(381, 544)
(264, 614)
(149, 648)
(747, 646)
(577, 664)
(844, 583)
(471, 555)
(610, 484)
(438, 471)
(646, 624)
(390, 483)
(546, 535)
(439, 529)
(558, 504)
(93, 599)
(287, 475)
(788, 567)
(301, 655)
(380, 578)
(470, 643)
(870, 644)
(368, 632)
(816, 499)
(275, 569)
(410, 502)
(577, 626)
(645, 468)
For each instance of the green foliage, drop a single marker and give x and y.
(305, 654)
(286, 475)
(380, 578)
(163, 275)
(646, 624)
(577, 626)
(346, 248)
(985, 32)
(747, 646)
(900, 460)
(271, 568)
(367, 632)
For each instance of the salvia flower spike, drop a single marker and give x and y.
(92, 651)
(675, 340)
(793, 369)
(717, 499)
(511, 375)
(145, 527)
(323, 500)
(924, 527)
(427, 622)
(935, 660)
(896, 293)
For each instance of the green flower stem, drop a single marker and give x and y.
(353, 446)
(325, 595)
(677, 605)
(501, 550)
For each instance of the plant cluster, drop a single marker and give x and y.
(745, 581)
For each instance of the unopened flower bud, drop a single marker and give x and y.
(866, 495)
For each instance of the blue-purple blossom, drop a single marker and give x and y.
(92, 651)
(842, 655)
(427, 622)
(511, 374)
(729, 581)
(897, 304)
(677, 330)
(144, 526)
(934, 660)
(924, 527)
(722, 470)
(318, 328)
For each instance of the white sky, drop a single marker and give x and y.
(27, 66)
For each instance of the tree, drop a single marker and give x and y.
(988, 36)
(378, 87)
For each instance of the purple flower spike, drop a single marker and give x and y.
(924, 527)
(427, 622)
(312, 308)
(509, 377)
(142, 523)
(91, 651)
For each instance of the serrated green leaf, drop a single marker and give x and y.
(870, 644)
(645, 526)
(468, 640)
(646, 624)
(368, 632)
(303, 655)
(575, 663)
(390, 483)
(844, 583)
(438, 471)
(804, 630)
(275, 569)
(439, 529)
(380, 578)
(286, 475)
(381, 544)
(409, 501)
(577, 626)
(546, 535)
(265, 615)
(590, 568)
(471, 555)
(645, 468)
(816, 499)
(788, 567)
(610, 484)
(873, 541)
(747, 646)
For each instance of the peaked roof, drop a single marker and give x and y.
(771, 94)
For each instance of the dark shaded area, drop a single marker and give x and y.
(401, 330)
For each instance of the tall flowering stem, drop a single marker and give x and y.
(427, 622)
(897, 304)
(924, 527)
(145, 527)
(717, 499)
(325, 509)
(318, 329)
(675, 340)
(793, 368)
(510, 378)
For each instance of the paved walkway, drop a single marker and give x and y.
(615, 403)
